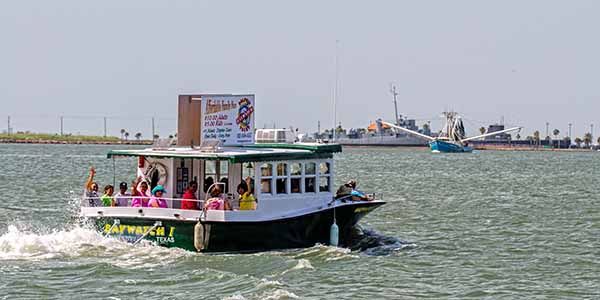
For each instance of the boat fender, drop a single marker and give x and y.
(199, 236)
(334, 235)
(157, 167)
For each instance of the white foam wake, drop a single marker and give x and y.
(18, 244)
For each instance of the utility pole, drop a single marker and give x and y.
(104, 126)
(319, 127)
(570, 125)
(8, 128)
(393, 90)
(153, 133)
(547, 126)
(61, 125)
(592, 132)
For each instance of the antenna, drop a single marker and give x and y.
(335, 89)
(393, 91)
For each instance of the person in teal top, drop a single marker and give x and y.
(107, 199)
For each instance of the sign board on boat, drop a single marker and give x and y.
(228, 118)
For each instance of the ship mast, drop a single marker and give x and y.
(393, 91)
(450, 116)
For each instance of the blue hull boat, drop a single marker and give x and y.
(448, 147)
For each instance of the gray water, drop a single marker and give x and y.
(486, 225)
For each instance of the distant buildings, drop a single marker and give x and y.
(504, 137)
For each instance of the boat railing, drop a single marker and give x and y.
(97, 201)
(349, 198)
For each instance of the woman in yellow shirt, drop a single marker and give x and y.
(247, 200)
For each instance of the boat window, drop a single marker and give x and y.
(266, 171)
(296, 178)
(310, 168)
(281, 181)
(324, 177)
(324, 168)
(224, 174)
(281, 137)
(210, 173)
(247, 170)
(309, 184)
(295, 184)
(324, 184)
(282, 169)
(296, 169)
(310, 177)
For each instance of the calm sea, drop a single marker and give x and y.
(486, 225)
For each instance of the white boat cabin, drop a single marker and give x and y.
(289, 180)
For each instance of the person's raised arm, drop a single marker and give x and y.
(88, 183)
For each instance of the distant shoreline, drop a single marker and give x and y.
(72, 142)
(484, 148)
(44, 138)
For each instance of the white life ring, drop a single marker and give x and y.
(162, 172)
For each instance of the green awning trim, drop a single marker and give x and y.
(232, 158)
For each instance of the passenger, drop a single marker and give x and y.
(216, 202)
(190, 200)
(225, 183)
(358, 195)
(142, 196)
(247, 201)
(91, 189)
(107, 198)
(208, 181)
(156, 201)
(345, 191)
(122, 198)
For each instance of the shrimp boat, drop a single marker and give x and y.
(453, 138)
(291, 182)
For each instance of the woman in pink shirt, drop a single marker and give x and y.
(156, 201)
(141, 196)
(216, 202)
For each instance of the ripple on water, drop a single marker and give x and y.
(492, 225)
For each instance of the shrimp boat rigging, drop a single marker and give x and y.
(453, 140)
(291, 182)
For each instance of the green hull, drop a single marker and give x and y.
(295, 232)
(169, 234)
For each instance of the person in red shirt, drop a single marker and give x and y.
(190, 194)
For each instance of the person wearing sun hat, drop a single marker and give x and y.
(156, 200)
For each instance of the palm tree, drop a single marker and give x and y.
(587, 139)
(122, 133)
(482, 129)
(530, 139)
(578, 142)
(518, 136)
(556, 132)
(426, 128)
(138, 136)
(567, 141)
(156, 136)
(536, 137)
(126, 135)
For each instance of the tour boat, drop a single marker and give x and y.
(293, 184)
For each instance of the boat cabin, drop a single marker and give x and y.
(286, 179)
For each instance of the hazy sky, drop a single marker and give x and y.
(527, 61)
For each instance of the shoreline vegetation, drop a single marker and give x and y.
(44, 138)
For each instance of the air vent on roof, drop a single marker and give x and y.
(210, 146)
(162, 144)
